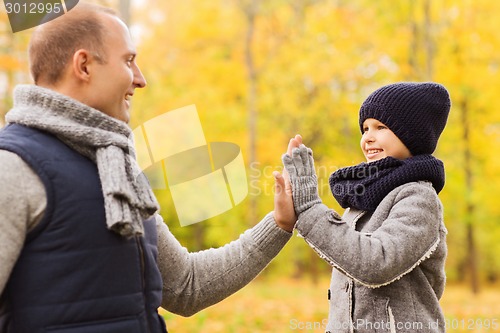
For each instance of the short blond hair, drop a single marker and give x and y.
(53, 44)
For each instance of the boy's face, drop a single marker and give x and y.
(378, 142)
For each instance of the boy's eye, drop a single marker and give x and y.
(365, 129)
(380, 127)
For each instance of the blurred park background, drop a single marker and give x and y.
(261, 71)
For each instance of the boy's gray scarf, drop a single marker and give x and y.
(128, 199)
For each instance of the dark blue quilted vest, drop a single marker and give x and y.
(74, 275)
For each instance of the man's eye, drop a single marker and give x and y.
(130, 61)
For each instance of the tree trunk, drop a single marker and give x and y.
(428, 42)
(418, 41)
(469, 209)
(413, 47)
(125, 11)
(250, 10)
(7, 98)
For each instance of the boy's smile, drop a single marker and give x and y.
(378, 142)
(372, 153)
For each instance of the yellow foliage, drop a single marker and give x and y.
(9, 63)
(285, 305)
(315, 62)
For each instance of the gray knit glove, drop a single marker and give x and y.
(300, 167)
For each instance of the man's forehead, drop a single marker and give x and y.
(113, 22)
(116, 29)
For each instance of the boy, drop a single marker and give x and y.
(388, 250)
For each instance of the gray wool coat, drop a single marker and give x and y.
(388, 266)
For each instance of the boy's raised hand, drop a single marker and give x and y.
(299, 164)
(284, 212)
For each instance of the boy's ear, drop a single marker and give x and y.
(81, 64)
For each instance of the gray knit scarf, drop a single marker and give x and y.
(128, 199)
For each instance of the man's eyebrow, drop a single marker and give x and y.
(132, 54)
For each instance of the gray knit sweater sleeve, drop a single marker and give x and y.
(22, 204)
(411, 220)
(194, 281)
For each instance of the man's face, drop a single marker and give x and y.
(113, 82)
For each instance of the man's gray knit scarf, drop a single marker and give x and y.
(128, 199)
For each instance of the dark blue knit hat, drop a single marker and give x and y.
(415, 112)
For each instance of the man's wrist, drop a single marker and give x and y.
(285, 225)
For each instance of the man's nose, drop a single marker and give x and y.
(139, 80)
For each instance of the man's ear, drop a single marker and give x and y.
(81, 63)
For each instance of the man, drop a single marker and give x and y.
(82, 248)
